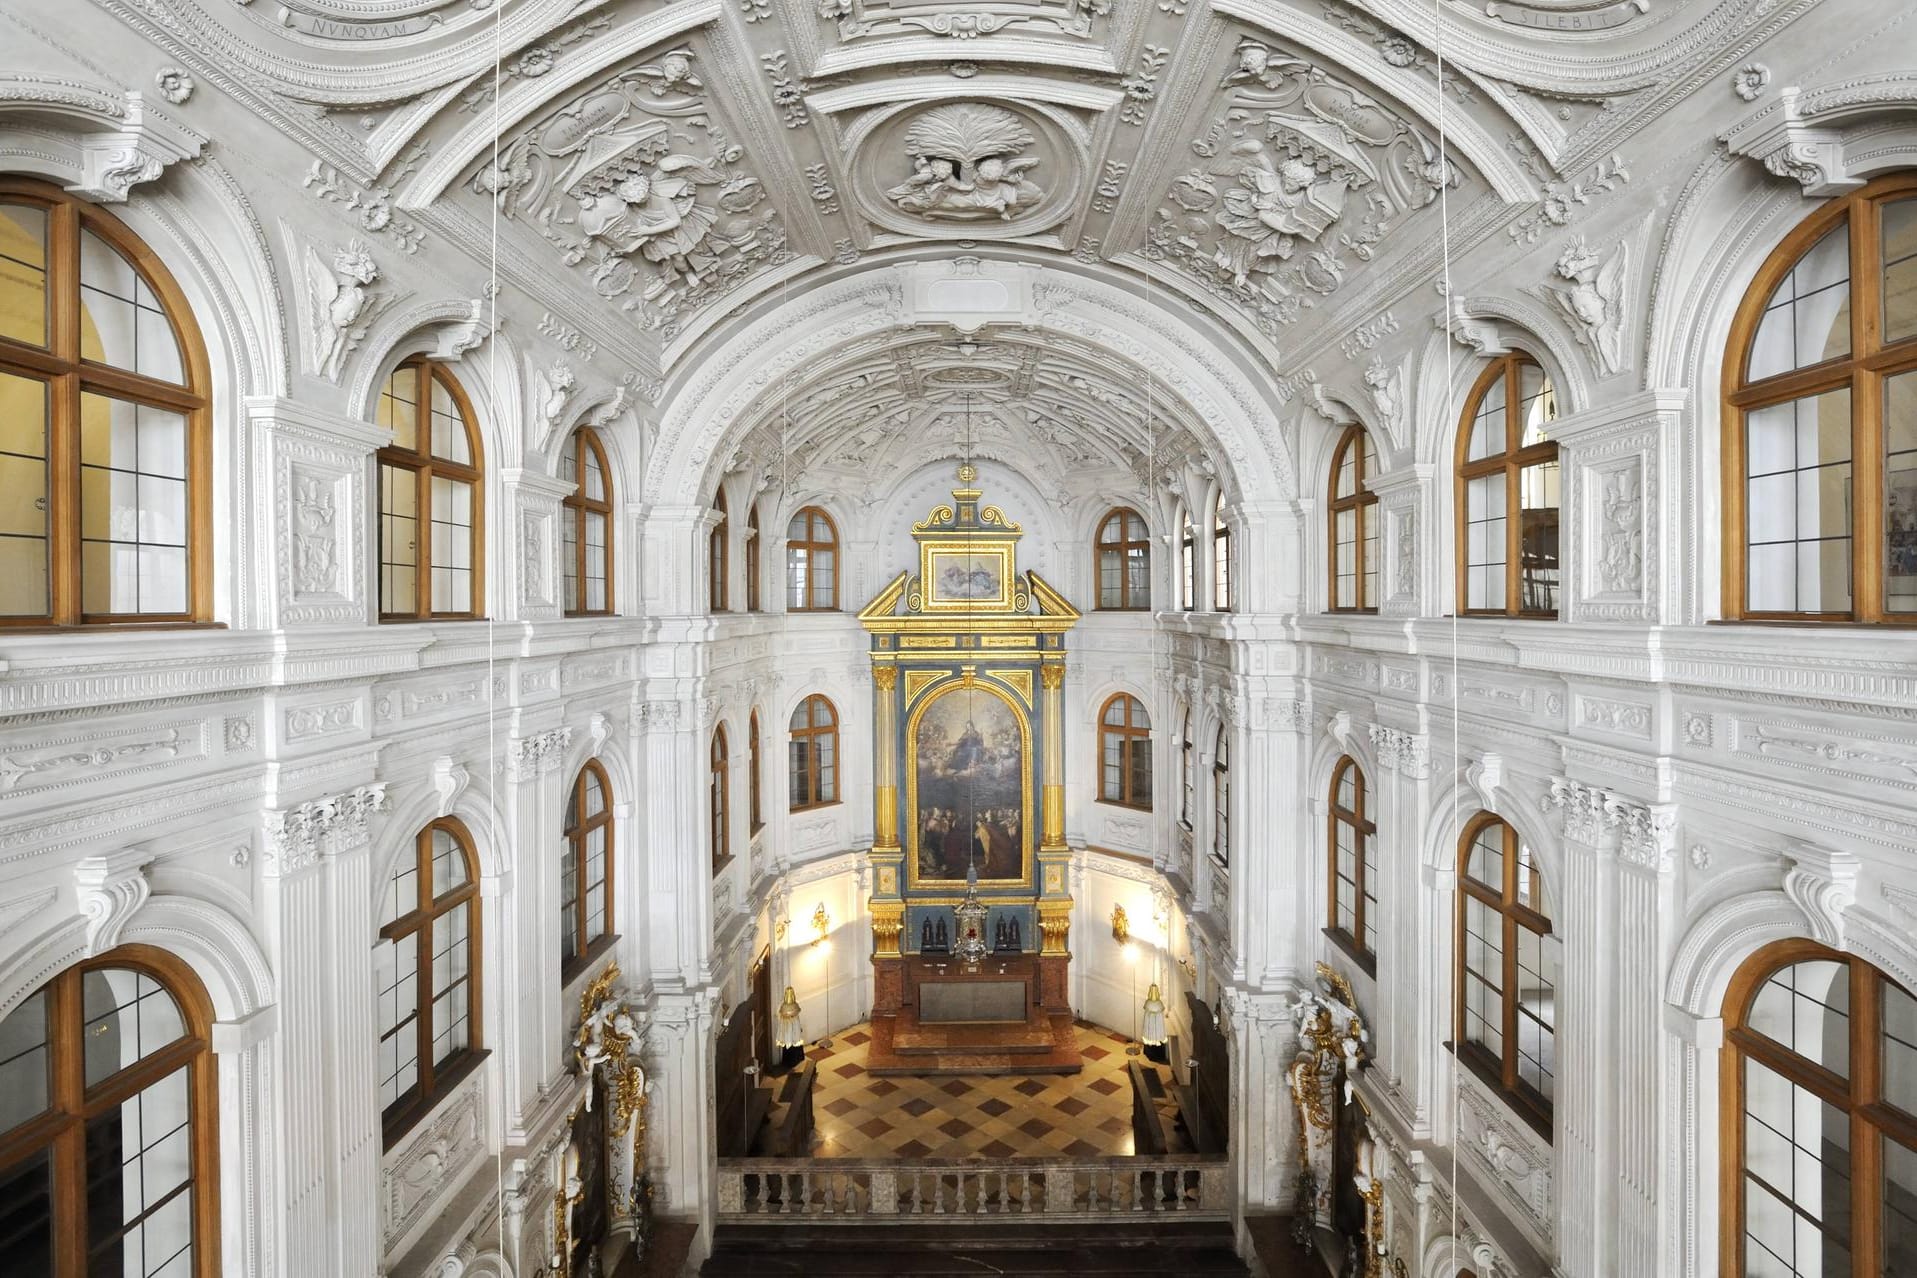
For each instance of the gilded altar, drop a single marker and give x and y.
(968, 672)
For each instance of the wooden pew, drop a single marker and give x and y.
(792, 1136)
(1148, 1130)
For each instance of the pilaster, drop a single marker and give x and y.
(535, 584)
(309, 554)
(1620, 541)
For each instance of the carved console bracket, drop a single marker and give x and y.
(111, 888)
(1833, 139)
(1823, 884)
(96, 142)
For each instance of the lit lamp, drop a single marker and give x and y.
(822, 928)
(1153, 1035)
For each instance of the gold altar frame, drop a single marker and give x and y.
(998, 551)
(915, 709)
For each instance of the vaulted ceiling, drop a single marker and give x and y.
(650, 169)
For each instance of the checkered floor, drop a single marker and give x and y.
(856, 1115)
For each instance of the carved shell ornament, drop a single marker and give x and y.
(968, 165)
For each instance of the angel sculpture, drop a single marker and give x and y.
(967, 166)
(1255, 63)
(1274, 204)
(1592, 297)
(341, 307)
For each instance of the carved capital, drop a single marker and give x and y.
(536, 754)
(297, 838)
(885, 678)
(1052, 675)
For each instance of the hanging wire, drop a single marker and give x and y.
(1457, 607)
(499, 415)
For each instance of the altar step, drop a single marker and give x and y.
(1014, 1250)
(1043, 1045)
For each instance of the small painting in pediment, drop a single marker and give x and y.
(966, 577)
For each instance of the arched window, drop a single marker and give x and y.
(752, 559)
(1508, 493)
(1354, 523)
(588, 525)
(1220, 563)
(1125, 753)
(719, 801)
(430, 497)
(427, 962)
(1124, 562)
(811, 562)
(585, 871)
(1507, 969)
(1820, 420)
(105, 508)
(1187, 565)
(815, 754)
(109, 1158)
(753, 808)
(1221, 799)
(1188, 804)
(1820, 1117)
(718, 571)
(1354, 871)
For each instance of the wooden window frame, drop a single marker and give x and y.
(1188, 566)
(1859, 1096)
(1221, 799)
(578, 831)
(1349, 452)
(423, 466)
(68, 375)
(752, 584)
(755, 785)
(808, 740)
(1221, 575)
(718, 559)
(1358, 820)
(1131, 736)
(1121, 547)
(719, 799)
(59, 1130)
(438, 1080)
(1188, 771)
(1864, 373)
(1511, 462)
(809, 546)
(1501, 1073)
(578, 506)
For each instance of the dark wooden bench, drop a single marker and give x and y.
(1148, 1130)
(792, 1135)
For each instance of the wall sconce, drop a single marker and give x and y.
(821, 924)
(1121, 926)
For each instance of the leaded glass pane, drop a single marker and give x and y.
(1900, 490)
(1807, 319)
(133, 508)
(23, 1062)
(23, 273)
(1796, 1180)
(122, 323)
(1805, 1007)
(1798, 504)
(24, 492)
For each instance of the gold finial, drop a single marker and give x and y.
(967, 473)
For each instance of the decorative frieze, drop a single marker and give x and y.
(297, 838)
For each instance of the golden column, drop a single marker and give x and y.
(1052, 825)
(885, 790)
(888, 858)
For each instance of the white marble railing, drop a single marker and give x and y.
(769, 1190)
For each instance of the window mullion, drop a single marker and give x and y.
(1867, 439)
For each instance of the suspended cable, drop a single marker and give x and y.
(1457, 607)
